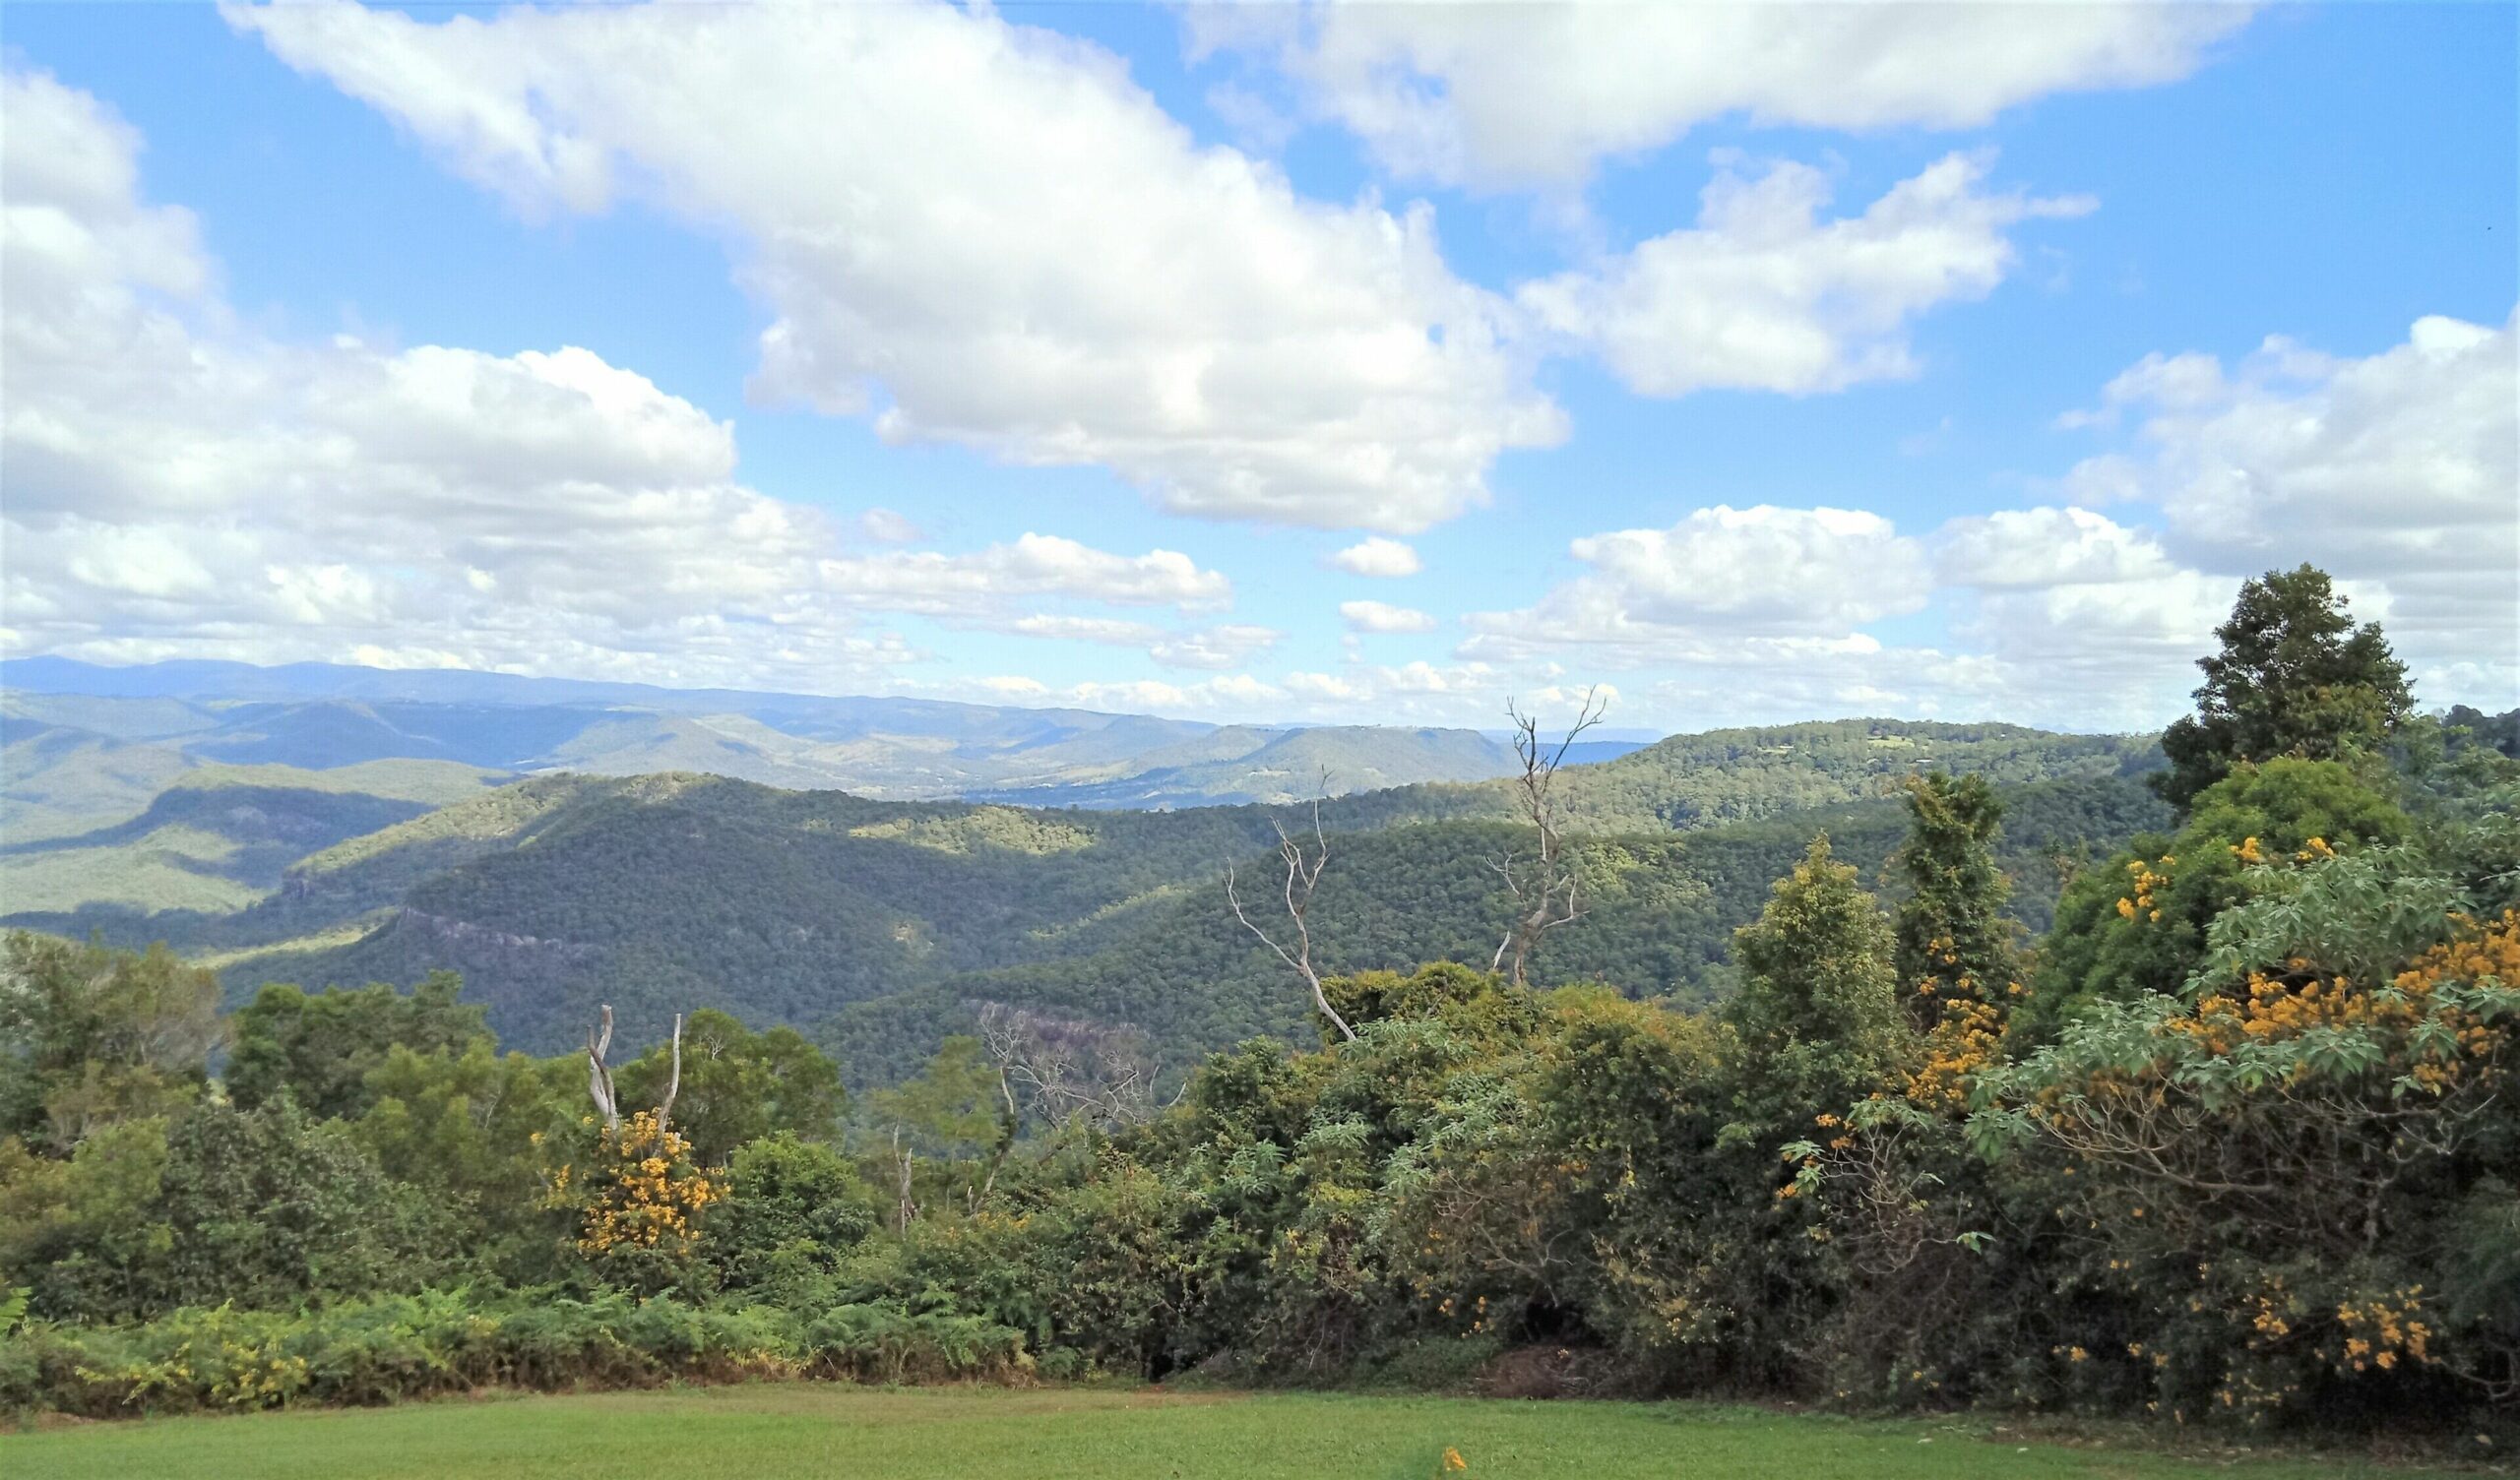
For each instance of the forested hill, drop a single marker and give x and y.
(883, 923)
(1742, 775)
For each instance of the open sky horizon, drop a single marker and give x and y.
(1309, 364)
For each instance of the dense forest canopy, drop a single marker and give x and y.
(1997, 1080)
(879, 927)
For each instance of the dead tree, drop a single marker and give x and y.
(1543, 885)
(1065, 1071)
(906, 1206)
(607, 1102)
(1303, 873)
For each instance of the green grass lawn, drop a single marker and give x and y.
(777, 1431)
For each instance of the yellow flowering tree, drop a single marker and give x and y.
(2251, 1162)
(2138, 923)
(636, 1200)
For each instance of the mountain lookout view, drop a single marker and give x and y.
(1308, 738)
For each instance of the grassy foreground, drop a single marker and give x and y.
(777, 1431)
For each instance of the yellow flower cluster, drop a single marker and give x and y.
(1963, 1042)
(2287, 1005)
(2148, 887)
(647, 1193)
(2380, 1331)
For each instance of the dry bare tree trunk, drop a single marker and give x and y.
(673, 1086)
(1303, 873)
(1544, 886)
(906, 1209)
(599, 1074)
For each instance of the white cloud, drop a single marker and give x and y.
(2015, 549)
(984, 581)
(1229, 692)
(181, 485)
(1229, 646)
(2075, 613)
(1764, 582)
(1013, 686)
(1506, 97)
(1757, 615)
(1378, 557)
(1761, 295)
(2399, 471)
(1381, 616)
(886, 526)
(986, 234)
(1117, 631)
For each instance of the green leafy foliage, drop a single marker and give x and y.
(2243, 1149)
(2138, 923)
(737, 1085)
(322, 1048)
(2295, 676)
(90, 1036)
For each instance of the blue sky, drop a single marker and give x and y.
(438, 337)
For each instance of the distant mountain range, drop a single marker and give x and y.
(283, 835)
(124, 732)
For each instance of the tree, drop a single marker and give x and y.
(1818, 1006)
(2138, 923)
(92, 1036)
(1955, 956)
(599, 1082)
(792, 1207)
(1303, 875)
(1543, 883)
(1063, 1071)
(2269, 1169)
(320, 1047)
(2295, 677)
(268, 1208)
(956, 1106)
(738, 1085)
(467, 1128)
(1952, 930)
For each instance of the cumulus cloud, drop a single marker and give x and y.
(1226, 647)
(981, 582)
(1118, 631)
(1231, 692)
(1378, 556)
(181, 485)
(2075, 613)
(1505, 96)
(2026, 549)
(2055, 616)
(1382, 617)
(2399, 470)
(1762, 294)
(1764, 582)
(984, 233)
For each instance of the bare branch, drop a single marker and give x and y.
(1544, 886)
(1303, 875)
(1065, 1071)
